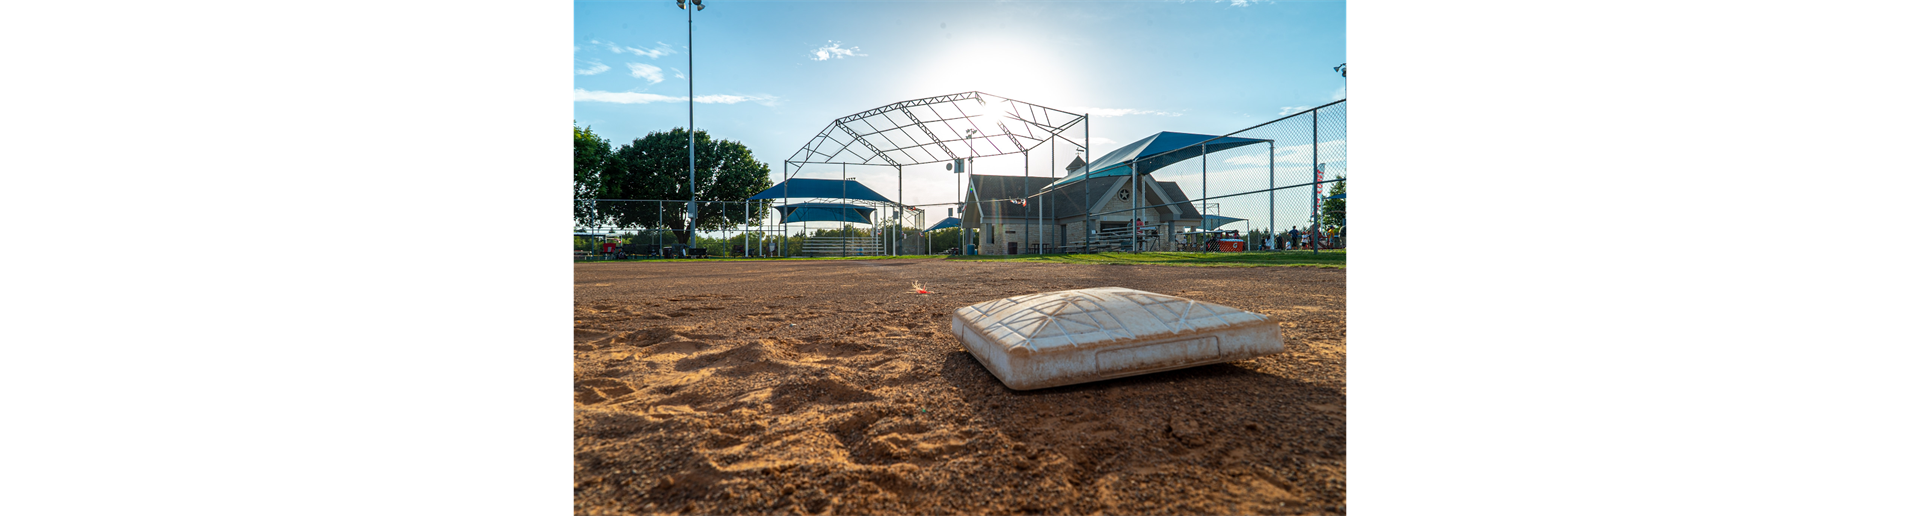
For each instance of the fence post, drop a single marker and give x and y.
(1133, 227)
(1315, 233)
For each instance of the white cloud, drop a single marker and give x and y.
(627, 97)
(1113, 112)
(646, 71)
(1294, 109)
(765, 100)
(594, 69)
(659, 49)
(677, 74)
(832, 50)
(622, 97)
(1102, 141)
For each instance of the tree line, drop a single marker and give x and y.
(655, 167)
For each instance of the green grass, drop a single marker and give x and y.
(1330, 258)
(759, 259)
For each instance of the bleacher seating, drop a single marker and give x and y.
(843, 246)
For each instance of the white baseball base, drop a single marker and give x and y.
(1077, 336)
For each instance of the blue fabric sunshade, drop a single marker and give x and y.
(1213, 222)
(949, 222)
(1152, 153)
(800, 188)
(824, 212)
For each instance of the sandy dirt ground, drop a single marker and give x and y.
(829, 387)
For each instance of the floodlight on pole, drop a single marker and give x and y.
(693, 188)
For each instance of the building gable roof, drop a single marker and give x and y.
(1063, 203)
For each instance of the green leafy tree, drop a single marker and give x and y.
(655, 167)
(591, 154)
(1333, 212)
(944, 239)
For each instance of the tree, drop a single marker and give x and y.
(1333, 212)
(655, 167)
(591, 153)
(944, 239)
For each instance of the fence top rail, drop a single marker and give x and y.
(1209, 140)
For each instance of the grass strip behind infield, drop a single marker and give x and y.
(1325, 258)
(759, 259)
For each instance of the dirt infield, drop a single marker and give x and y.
(829, 387)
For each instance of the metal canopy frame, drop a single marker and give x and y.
(935, 130)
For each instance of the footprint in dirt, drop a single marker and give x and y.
(599, 390)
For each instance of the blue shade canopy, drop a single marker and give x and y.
(1337, 196)
(824, 212)
(949, 222)
(1213, 222)
(1153, 153)
(821, 189)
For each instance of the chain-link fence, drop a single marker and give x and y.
(642, 228)
(1276, 196)
(1277, 185)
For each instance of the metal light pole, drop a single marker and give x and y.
(966, 233)
(693, 210)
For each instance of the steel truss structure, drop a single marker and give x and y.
(938, 129)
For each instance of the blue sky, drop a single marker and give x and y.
(772, 74)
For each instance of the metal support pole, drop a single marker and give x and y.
(1133, 227)
(899, 212)
(693, 212)
(1314, 235)
(786, 180)
(1203, 188)
(1086, 182)
(1026, 227)
(1272, 233)
(843, 211)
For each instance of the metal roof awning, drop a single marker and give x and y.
(825, 212)
(1213, 222)
(1152, 153)
(800, 188)
(949, 222)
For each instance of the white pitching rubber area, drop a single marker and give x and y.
(1077, 336)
